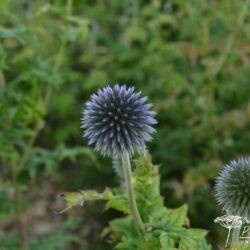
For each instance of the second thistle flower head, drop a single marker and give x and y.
(233, 188)
(118, 120)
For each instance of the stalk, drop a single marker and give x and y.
(131, 193)
(228, 237)
(18, 203)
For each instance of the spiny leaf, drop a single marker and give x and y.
(78, 198)
(125, 227)
(177, 216)
(118, 202)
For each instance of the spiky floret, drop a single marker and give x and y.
(232, 188)
(118, 120)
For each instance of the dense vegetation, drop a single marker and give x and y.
(190, 57)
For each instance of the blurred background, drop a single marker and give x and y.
(191, 58)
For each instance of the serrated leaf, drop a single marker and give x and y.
(72, 199)
(167, 243)
(118, 202)
(192, 239)
(78, 198)
(177, 216)
(125, 227)
(150, 241)
(130, 244)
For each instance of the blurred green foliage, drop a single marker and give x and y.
(56, 241)
(190, 57)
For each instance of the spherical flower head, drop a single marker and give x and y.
(233, 188)
(117, 120)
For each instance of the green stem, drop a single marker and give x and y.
(18, 203)
(131, 193)
(228, 237)
(2, 79)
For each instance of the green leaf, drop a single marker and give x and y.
(118, 202)
(150, 241)
(177, 216)
(19, 33)
(192, 239)
(78, 198)
(125, 227)
(130, 244)
(167, 243)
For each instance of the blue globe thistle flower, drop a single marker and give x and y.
(233, 188)
(117, 120)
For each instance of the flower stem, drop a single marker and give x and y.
(18, 203)
(131, 193)
(228, 236)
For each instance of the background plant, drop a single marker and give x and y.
(232, 194)
(190, 57)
